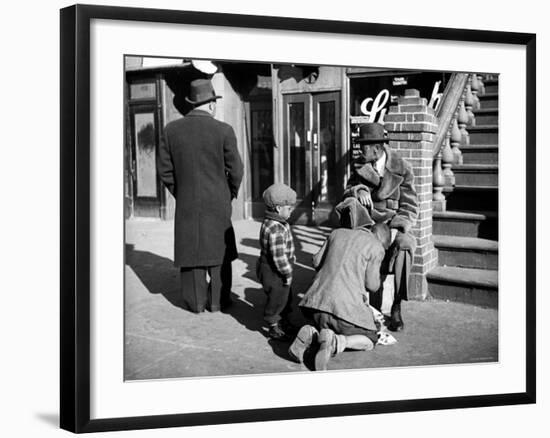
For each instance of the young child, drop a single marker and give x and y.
(275, 265)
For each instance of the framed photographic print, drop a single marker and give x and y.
(269, 218)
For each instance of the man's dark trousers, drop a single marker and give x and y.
(198, 295)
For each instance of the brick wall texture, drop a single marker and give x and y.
(411, 127)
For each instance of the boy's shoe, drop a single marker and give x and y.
(305, 337)
(277, 333)
(327, 344)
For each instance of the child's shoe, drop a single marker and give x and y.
(277, 333)
(305, 337)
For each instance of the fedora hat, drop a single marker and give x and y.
(201, 91)
(372, 133)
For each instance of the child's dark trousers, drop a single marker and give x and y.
(279, 296)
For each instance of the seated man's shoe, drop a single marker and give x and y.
(396, 322)
(327, 346)
(277, 333)
(305, 337)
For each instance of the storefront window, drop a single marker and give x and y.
(327, 156)
(146, 166)
(262, 151)
(297, 142)
(143, 90)
(371, 96)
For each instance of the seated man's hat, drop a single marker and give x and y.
(372, 133)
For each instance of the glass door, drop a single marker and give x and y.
(313, 161)
(298, 144)
(145, 142)
(327, 161)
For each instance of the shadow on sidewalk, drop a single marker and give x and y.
(156, 273)
(249, 309)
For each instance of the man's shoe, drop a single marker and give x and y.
(277, 333)
(305, 337)
(396, 322)
(326, 348)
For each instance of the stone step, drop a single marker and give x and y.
(480, 154)
(456, 223)
(488, 100)
(476, 174)
(472, 198)
(465, 285)
(483, 134)
(466, 223)
(486, 116)
(491, 85)
(488, 229)
(466, 252)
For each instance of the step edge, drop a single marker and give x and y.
(485, 110)
(470, 188)
(450, 275)
(465, 243)
(459, 215)
(479, 146)
(475, 167)
(470, 129)
(492, 94)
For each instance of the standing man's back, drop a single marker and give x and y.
(201, 166)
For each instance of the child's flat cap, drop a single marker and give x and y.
(279, 194)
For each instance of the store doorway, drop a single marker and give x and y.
(314, 165)
(144, 139)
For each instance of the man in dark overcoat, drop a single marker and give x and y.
(384, 183)
(200, 165)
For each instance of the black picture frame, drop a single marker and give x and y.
(75, 217)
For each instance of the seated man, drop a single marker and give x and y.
(384, 183)
(348, 266)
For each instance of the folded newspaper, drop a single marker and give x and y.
(384, 338)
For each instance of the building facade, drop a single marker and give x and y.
(296, 124)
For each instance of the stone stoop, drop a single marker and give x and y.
(467, 252)
(466, 285)
(466, 234)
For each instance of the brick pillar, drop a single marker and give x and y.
(411, 126)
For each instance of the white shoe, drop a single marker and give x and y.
(305, 337)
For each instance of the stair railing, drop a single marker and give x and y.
(454, 114)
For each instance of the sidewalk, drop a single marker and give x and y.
(164, 341)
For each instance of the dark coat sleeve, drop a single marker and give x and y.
(354, 185)
(407, 213)
(166, 165)
(352, 189)
(233, 162)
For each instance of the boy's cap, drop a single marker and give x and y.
(279, 194)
